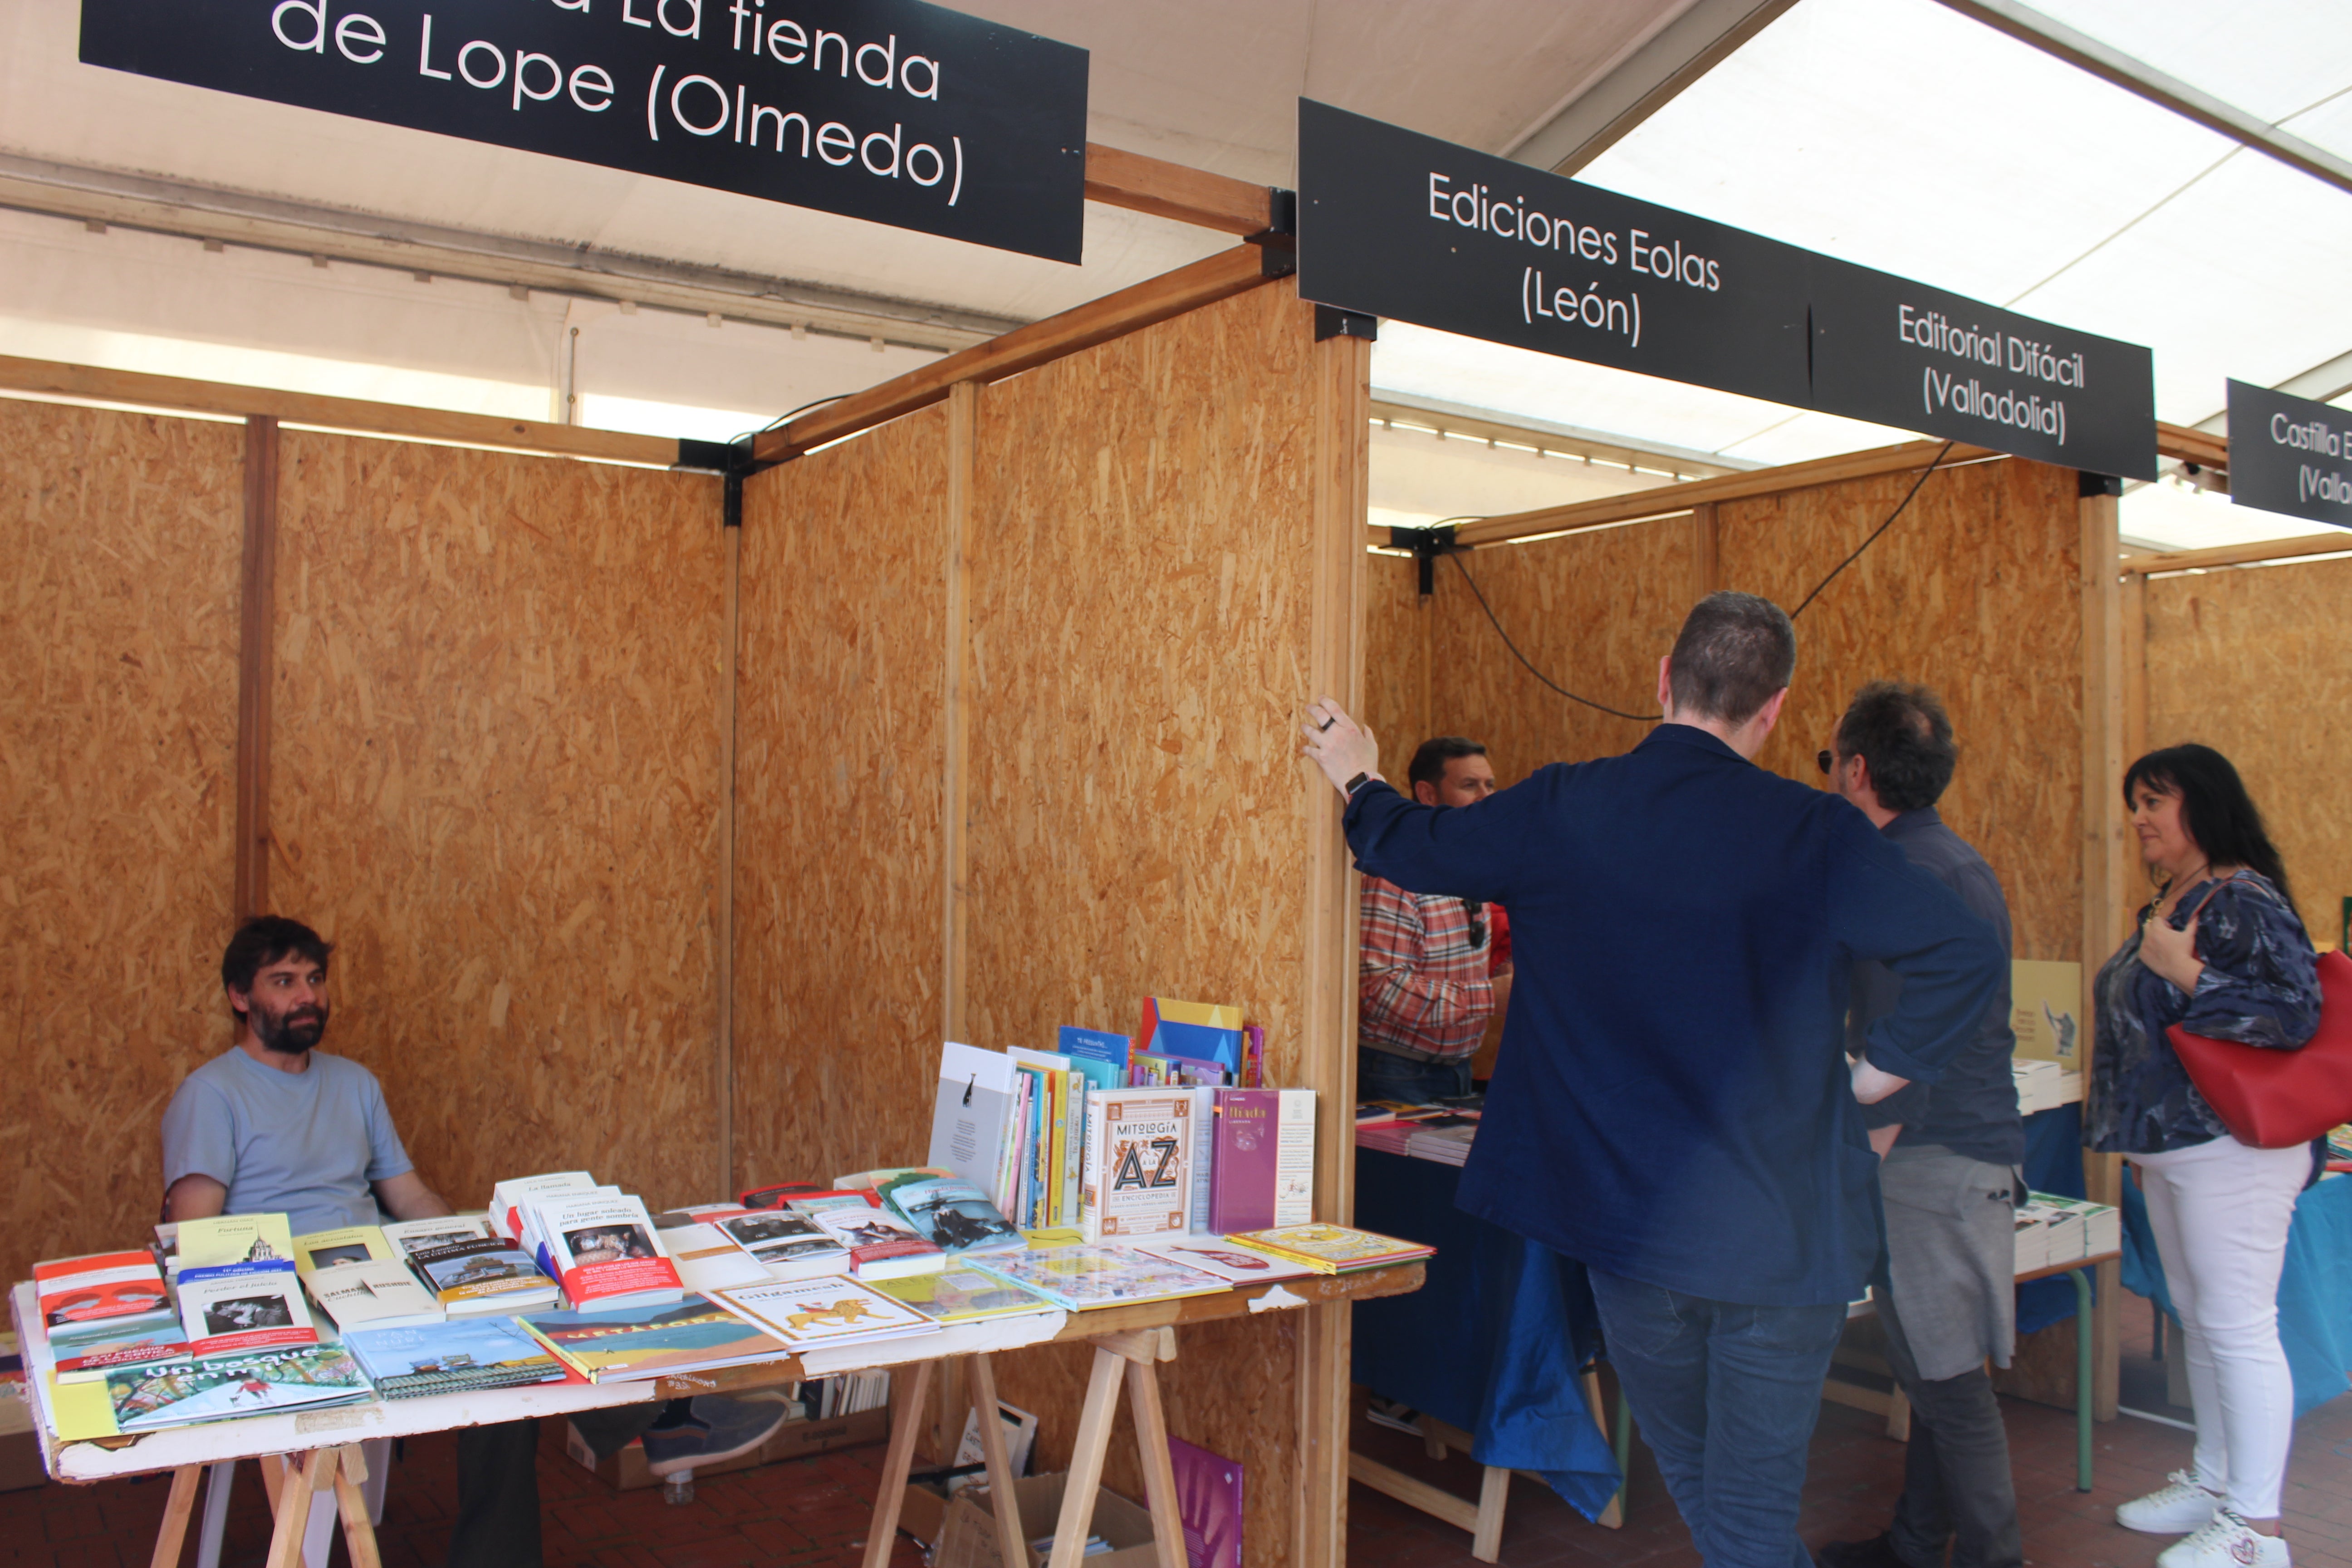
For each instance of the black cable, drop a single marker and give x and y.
(786, 418)
(1540, 675)
(1874, 532)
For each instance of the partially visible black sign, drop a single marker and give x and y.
(2290, 455)
(1898, 352)
(892, 110)
(1393, 223)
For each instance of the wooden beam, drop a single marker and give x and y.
(723, 917)
(2105, 864)
(256, 666)
(1204, 282)
(1706, 560)
(955, 787)
(2238, 554)
(1341, 454)
(1665, 501)
(2187, 444)
(1130, 180)
(171, 391)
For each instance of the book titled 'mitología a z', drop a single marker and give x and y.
(1138, 1165)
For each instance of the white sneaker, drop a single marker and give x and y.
(2182, 1506)
(2226, 1541)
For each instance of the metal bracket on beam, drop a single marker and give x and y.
(1331, 321)
(2090, 484)
(1426, 544)
(1277, 242)
(729, 460)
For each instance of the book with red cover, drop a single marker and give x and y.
(101, 1297)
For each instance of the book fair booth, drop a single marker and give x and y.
(670, 804)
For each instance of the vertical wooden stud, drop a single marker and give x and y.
(723, 1063)
(955, 804)
(2133, 601)
(1327, 1064)
(2103, 866)
(1707, 566)
(257, 622)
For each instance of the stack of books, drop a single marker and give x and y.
(106, 1310)
(1435, 1132)
(2052, 1231)
(2044, 1084)
(1332, 1248)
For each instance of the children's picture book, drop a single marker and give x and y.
(462, 1354)
(1139, 1164)
(348, 1244)
(961, 1295)
(952, 1214)
(1077, 1278)
(235, 1239)
(787, 1244)
(1263, 1173)
(637, 1342)
(238, 1308)
(1331, 1249)
(1208, 1031)
(101, 1297)
(705, 1256)
(880, 1244)
(973, 1115)
(603, 1249)
(178, 1392)
(1214, 1255)
(1208, 1504)
(810, 1314)
(367, 1294)
(483, 1274)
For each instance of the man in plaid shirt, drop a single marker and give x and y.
(1426, 987)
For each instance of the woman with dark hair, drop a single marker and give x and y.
(2221, 952)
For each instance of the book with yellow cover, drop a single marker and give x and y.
(1331, 1249)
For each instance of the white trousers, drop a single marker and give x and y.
(2221, 1212)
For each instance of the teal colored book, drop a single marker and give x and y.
(1102, 1055)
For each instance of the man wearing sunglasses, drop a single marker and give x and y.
(1426, 987)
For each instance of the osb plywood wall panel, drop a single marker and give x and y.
(1396, 662)
(1593, 611)
(2251, 663)
(495, 788)
(839, 751)
(1141, 617)
(118, 738)
(1973, 592)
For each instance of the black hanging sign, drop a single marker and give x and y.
(2290, 455)
(1393, 223)
(1898, 352)
(892, 110)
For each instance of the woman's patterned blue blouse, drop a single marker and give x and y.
(2259, 986)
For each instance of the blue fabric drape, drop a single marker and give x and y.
(2053, 1164)
(1493, 1342)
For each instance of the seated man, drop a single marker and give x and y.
(273, 1125)
(1428, 981)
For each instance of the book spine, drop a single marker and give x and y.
(1204, 1158)
(1074, 1132)
(1090, 1174)
(1294, 1157)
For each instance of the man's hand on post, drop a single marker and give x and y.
(1338, 746)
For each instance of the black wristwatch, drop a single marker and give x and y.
(1348, 789)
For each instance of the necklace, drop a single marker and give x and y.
(2181, 882)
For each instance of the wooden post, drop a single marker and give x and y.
(1706, 560)
(955, 804)
(2105, 862)
(2133, 601)
(255, 665)
(1327, 1065)
(723, 1067)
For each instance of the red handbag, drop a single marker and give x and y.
(2271, 1098)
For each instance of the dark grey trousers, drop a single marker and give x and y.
(1956, 1479)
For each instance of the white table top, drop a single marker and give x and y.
(295, 1431)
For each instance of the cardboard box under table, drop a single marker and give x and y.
(970, 1537)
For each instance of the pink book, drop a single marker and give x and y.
(1264, 1159)
(1209, 1502)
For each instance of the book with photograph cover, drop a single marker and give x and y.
(705, 1256)
(604, 1248)
(787, 1244)
(636, 1343)
(240, 1308)
(952, 1214)
(810, 1314)
(458, 1356)
(101, 1297)
(347, 1244)
(486, 1274)
(179, 1392)
(880, 1244)
(1139, 1164)
(407, 1237)
(233, 1239)
(369, 1294)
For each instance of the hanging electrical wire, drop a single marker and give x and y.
(1874, 532)
(1540, 675)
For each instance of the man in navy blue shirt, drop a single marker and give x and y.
(1950, 1179)
(1672, 1105)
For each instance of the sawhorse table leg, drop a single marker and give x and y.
(900, 1461)
(1130, 1357)
(176, 1510)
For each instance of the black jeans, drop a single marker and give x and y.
(1956, 1480)
(498, 1497)
(1725, 1396)
(1380, 1075)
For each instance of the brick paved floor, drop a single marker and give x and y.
(813, 1512)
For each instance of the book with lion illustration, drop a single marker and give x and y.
(832, 1309)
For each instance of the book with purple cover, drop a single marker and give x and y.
(1264, 1159)
(1208, 1504)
